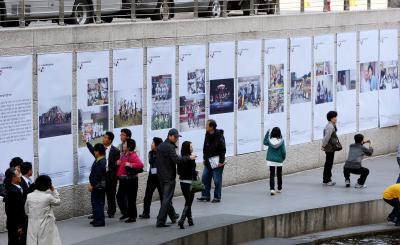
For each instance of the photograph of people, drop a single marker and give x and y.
(97, 90)
(346, 80)
(92, 125)
(319, 68)
(300, 91)
(276, 99)
(127, 108)
(323, 89)
(221, 96)
(161, 88)
(389, 77)
(249, 93)
(368, 77)
(55, 116)
(276, 76)
(161, 116)
(196, 81)
(192, 112)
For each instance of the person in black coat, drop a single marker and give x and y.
(214, 146)
(112, 156)
(152, 179)
(187, 173)
(97, 180)
(166, 168)
(14, 206)
(26, 183)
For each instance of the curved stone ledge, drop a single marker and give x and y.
(292, 224)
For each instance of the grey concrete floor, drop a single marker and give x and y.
(241, 202)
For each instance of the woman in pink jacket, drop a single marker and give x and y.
(129, 165)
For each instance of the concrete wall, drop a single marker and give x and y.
(243, 168)
(292, 224)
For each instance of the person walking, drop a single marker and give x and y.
(353, 165)
(214, 150)
(276, 154)
(112, 155)
(166, 162)
(14, 207)
(329, 148)
(129, 165)
(97, 180)
(391, 196)
(152, 179)
(42, 228)
(187, 173)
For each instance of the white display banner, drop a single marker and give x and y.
(369, 80)
(128, 95)
(54, 115)
(275, 85)
(300, 90)
(222, 89)
(346, 76)
(389, 109)
(249, 96)
(160, 92)
(192, 92)
(92, 73)
(16, 126)
(324, 55)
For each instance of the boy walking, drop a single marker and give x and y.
(353, 163)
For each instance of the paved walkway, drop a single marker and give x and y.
(241, 202)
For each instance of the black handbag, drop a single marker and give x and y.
(335, 143)
(131, 172)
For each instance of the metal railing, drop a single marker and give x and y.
(23, 12)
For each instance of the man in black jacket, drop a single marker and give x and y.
(112, 156)
(26, 183)
(214, 146)
(14, 205)
(166, 162)
(97, 180)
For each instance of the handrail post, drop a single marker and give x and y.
(346, 5)
(133, 10)
(21, 13)
(368, 4)
(165, 10)
(224, 8)
(278, 7)
(98, 11)
(196, 9)
(252, 12)
(301, 6)
(61, 13)
(325, 9)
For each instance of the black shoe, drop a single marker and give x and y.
(175, 218)
(190, 221)
(111, 216)
(124, 217)
(91, 222)
(215, 200)
(144, 216)
(180, 224)
(161, 225)
(99, 225)
(203, 199)
(90, 217)
(130, 220)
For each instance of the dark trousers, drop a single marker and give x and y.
(126, 197)
(13, 236)
(363, 172)
(395, 203)
(215, 175)
(111, 190)
(187, 194)
(328, 167)
(272, 177)
(98, 200)
(151, 186)
(168, 188)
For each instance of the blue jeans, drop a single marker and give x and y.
(98, 197)
(216, 175)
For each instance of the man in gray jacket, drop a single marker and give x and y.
(353, 165)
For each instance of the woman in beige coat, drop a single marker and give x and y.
(42, 229)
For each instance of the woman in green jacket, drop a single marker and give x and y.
(276, 154)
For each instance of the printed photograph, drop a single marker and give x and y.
(249, 93)
(196, 81)
(389, 77)
(55, 117)
(276, 76)
(97, 90)
(276, 101)
(161, 115)
(369, 77)
(128, 108)
(192, 112)
(92, 125)
(300, 88)
(161, 89)
(346, 80)
(328, 68)
(319, 68)
(323, 89)
(221, 95)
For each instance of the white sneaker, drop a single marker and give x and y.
(358, 186)
(272, 192)
(279, 191)
(331, 183)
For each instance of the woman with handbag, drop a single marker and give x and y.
(129, 165)
(187, 175)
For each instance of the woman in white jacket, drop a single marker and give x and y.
(42, 229)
